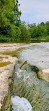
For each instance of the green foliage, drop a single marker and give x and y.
(4, 38)
(11, 27)
(47, 27)
(40, 30)
(25, 34)
(9, 13)
(16, 33)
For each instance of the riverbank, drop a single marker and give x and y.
(9, 56)
(7, 64)
(6, 39)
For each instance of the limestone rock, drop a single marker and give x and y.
(44, 74)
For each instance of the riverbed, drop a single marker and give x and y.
(31, 78)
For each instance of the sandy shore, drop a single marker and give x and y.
(7, 63)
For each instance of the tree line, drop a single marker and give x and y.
(12, 29)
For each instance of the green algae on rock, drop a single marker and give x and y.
(2, 64)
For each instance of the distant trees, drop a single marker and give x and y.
(25, 34)
(11, 27)
(47, 27)
(40, 30)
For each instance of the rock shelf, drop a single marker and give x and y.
(7, 63)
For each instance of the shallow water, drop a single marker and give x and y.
(37, 54)
(26, 83)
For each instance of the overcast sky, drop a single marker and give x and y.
(34, 11)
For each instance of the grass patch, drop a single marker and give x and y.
(2, 64)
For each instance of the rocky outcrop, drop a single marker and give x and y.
(5, 75)
(44, 74)
(7, 64)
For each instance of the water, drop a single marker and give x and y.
(37, 54)
(27, 86)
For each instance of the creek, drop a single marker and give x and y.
(30, 93)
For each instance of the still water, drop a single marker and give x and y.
(29, 92)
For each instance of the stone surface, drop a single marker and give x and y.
(5, 73)
(8, 62)
(20, 104)
(44, 74)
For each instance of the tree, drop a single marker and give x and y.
(9, 14)
(25, 34)
(32, 29)
(47, 27)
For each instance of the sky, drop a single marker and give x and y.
(34, 11)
